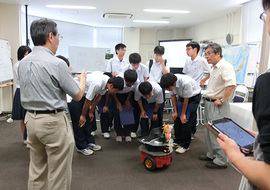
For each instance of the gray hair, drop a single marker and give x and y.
(215, 48)
(40, 29)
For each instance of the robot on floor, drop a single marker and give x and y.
(156, 149)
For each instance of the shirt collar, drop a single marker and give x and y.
(218, 64)
(41, 48)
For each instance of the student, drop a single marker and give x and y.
(143, 74)
(189, 92)
(85, 142)
(98, 84)
(157, 68)
(18, 112)
(45, 80)
(149, 93)
(196, 66)
(124, 98)
(117, 64)
(257, 171)
(220, 87)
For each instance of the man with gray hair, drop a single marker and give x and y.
(220, 87)
(45, 81)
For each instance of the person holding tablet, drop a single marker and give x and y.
(257, 171)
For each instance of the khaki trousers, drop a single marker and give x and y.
(51, 143)
(212, 113)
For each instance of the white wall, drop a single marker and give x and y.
(9, 30)
(215, 30)
(149, 39)
(131, 39)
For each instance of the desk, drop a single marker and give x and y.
(241, 113)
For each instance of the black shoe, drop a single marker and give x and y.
(212, 165)
(205, 158)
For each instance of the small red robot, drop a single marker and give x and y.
(155, 150)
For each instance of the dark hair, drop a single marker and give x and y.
(168, 80)
(266, 4)
(145, 88)
(130, 75)
(21, 52)
(108, 74)
(194, 45)
(40, 29)
(135, 58)
(117, 82)
(159, 50)
(64, 59)
(215, 48)
(119, 46)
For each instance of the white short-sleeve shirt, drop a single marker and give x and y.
(157, 94)
(127, 89)
(155, 71)
(116, 66)
(185, 87)
(197, 69)
(142, 71)
(222, 75)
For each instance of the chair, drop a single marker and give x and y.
(240, 94)
(201, 110)
(168, 103)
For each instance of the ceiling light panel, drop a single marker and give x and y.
(166, 11)
(151, 21)
(70, 7)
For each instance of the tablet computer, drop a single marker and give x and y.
(228, 127)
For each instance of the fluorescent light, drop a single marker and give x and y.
(70, 7)
(166, 11)
(243, 1)
(151, 21)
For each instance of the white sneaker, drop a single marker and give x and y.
(86, 151)
(25, 142)
(192, 136)
(118, 139)
(133, 135)
(94, 146)
(128, 139)
(181, 150)
(93, 133)
(106, 135)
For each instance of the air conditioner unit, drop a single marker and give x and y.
(123, 16)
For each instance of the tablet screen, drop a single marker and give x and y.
(238, 134)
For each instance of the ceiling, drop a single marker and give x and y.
(200, 11)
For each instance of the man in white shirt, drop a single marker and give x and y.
(220, 87)
(189, 93)
(117, 64)
(196, 66)
(149, 93)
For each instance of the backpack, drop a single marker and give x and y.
(151, 63)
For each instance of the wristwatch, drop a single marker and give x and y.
(155, 113)
(221, 101)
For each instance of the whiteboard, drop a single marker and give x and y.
(175, 52)
(88, 58)
(6, 72)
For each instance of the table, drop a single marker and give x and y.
(241, 113)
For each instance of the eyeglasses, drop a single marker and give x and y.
(60, 37)
(263, 15)
(207, 54)
(188, 49)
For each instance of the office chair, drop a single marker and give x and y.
(240, 94)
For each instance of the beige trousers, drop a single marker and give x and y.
(51, 143)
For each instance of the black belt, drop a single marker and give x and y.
(210, 99)
(45, 111)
